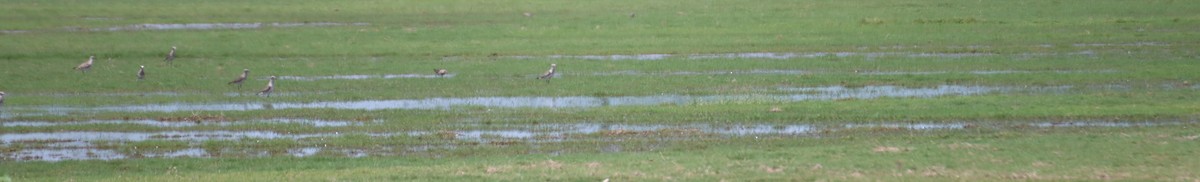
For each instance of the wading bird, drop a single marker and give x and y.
(240, 79)
(87, 65)
(439, 72)
(141, 72)
(170, 56)
(270, 87)
(549, 73)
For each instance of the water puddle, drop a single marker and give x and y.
(212, 26)
(1133, 44)
(805, 94)
(805, 72)
(506, 133)
(763, 55)
(167, 94)
(362, 77)
(158, 123)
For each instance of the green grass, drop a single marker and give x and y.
(1113, 60)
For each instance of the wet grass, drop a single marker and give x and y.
(1095, 61)
(1151, 153)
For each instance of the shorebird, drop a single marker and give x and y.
(170, 56)
(240, 79)
(1, 102)
(549, 73)
(87, 65)
(141, 72)
(439, 71)
(270, 87)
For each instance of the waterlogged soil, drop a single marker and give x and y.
(83, 145)
(802, 94)
(192, 26)
(188, 123)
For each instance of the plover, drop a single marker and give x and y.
(439, 72)
(270, 87)
(240, 79)
(87, 65)
(549, 73)
(141, 72)
(170, 56)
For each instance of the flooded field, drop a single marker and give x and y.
(803, 94)
(82, 145)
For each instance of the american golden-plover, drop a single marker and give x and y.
(439, 72)
(141, 72)
(240, 79)
(170, 56)
(549, 73)
(270, 87)
(87, 65)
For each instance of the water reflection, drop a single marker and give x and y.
(805, 93)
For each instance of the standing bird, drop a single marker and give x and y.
(270, 87)
(1, 98)
(240, 79)
(141, 72)
(439, 72)
(549, 73)
(170, 56)
(86, 65)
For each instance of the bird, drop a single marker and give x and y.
(439, 71)
(240, 79)
(549, 73)
(170, 56)
(141, 72)
(87, 65)
(270, 87)
(1, 98)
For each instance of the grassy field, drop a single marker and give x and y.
(646, 90)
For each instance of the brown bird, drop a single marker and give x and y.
(439, 72)
(270, 87)
(549, 73)
(170, 56)
(87, 65)
(240, 79)
(141, 72)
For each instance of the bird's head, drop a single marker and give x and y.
(1, 93)
(245, 70)
(553, 65)
(272, 77)
(172, 47)
(143, 66)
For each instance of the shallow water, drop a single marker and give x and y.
(805, 93)
(211, 26)
(71, 149)
(362, 77)
(158, 123)
(806, 72)
(753, 55)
